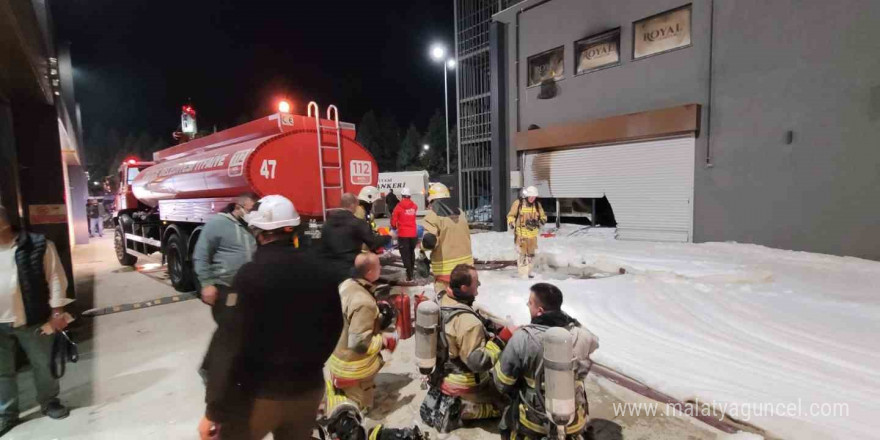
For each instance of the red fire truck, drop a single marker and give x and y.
(163, 204)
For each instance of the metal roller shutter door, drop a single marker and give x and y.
(650, 185)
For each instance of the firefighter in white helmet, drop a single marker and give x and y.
(526, 217)
(543, 368)
(447, 235)
(366, 198)
(266, 375)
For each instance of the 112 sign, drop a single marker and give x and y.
(361, 172)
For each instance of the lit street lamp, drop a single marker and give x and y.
(426, 147)
(438, 53)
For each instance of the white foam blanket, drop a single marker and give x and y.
(734, 324)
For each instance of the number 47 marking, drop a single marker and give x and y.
(265, 170)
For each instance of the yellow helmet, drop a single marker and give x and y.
(438, 191)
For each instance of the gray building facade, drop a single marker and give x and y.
(784, 96)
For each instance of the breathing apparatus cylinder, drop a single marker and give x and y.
(427, 323)
(559, 385)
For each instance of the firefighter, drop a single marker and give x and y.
(267, 376)
(467, 349)
(366, 198)
(447, 235)
(356, 359)
(526, 217)
(527, 374)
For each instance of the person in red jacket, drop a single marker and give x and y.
(404, 220)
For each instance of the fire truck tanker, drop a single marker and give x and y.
(163, 204)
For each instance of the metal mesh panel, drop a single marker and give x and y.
(472, 18)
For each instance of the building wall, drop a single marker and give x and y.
(809, 67)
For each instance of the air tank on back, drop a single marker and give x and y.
(427, 323)
(559, 386)
(277, 154)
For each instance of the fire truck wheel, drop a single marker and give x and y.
(122, 255)
(178, 269)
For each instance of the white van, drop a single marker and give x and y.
(416, 181)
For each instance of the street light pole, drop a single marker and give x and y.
(446, 106)
(438, 53)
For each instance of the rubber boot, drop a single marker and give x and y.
(523, 270)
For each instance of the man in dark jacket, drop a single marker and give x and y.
(344, 236)
(391, 201)
(95, 212)
(32, 299)
(267, 377)
(403, 218)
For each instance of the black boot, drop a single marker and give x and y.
(55, 410)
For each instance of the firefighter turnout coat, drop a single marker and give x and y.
(471, 352)
(356, 360)
(518, 374)
(453, 245)
(527, 219)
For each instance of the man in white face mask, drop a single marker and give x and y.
(32, 294)
(224, 245)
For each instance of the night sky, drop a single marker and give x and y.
(137, 61)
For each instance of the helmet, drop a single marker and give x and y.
(274, 212)
(405, 192)
(438, 191)
(369, 194)
(530, 192)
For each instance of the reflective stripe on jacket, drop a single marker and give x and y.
(356, 355)
(453, 242)
(520, 364)
(521, 213)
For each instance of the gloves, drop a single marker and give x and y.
(389, 341)
(506, 333)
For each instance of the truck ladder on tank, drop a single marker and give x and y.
(332, 116)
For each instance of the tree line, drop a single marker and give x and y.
(397, 150)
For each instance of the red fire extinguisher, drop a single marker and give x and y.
(403, 306)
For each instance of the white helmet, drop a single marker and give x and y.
(369, 194)
(274, 212)
(405, 192)
(530, 192)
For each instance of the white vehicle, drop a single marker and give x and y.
(416, 181)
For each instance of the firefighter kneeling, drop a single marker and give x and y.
(457, 348)
(543, 369)
(356, 360)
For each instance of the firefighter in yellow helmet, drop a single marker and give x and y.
(447, 236)
(526, 217)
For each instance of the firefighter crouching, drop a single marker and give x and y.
(356, 360)
(543, 368)
(447, 235)
(526, 217)
(458, 351)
